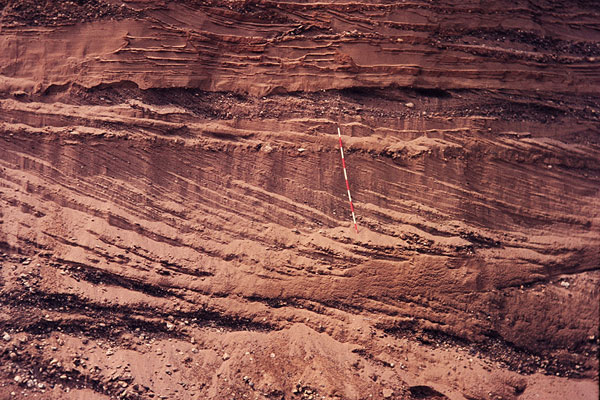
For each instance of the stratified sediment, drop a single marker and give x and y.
(174, 219)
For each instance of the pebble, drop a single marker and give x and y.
(225, 357)
(410, 105)
(301, 150)
(6, 337)
(565, 284)
(387, 393)
(18, 379)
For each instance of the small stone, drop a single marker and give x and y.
(63, 376)
(18, 379)
(123, 384)
(226, 357)
(13, 394)
(30, 383)
(301, 150)
(272, 355)
(6, 337)
(387, 393)
(170, 326)
(565, 284)
(410, 105)
(41, 385)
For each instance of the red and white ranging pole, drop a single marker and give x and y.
(346, 177)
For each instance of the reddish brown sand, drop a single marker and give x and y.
(173, 213)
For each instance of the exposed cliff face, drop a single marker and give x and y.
(174, 219)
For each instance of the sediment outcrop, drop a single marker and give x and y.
(174, 220)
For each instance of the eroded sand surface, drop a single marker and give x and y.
(174, 221)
